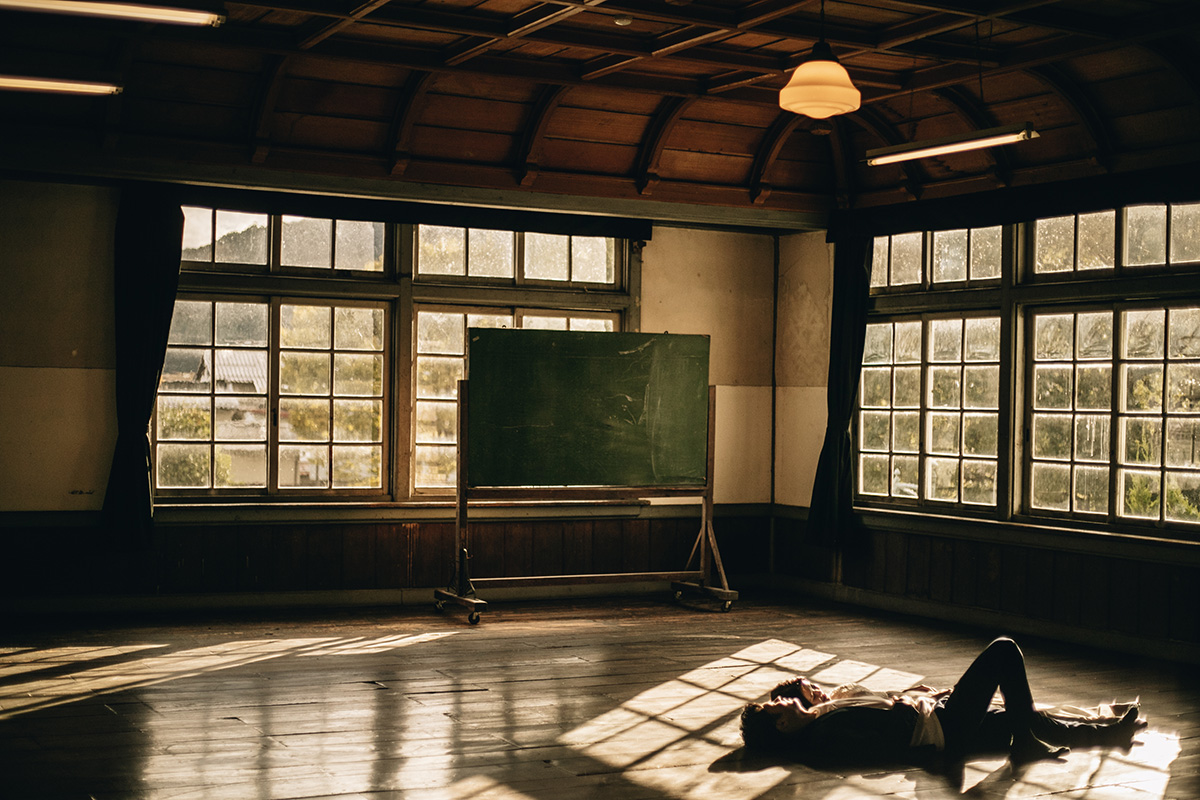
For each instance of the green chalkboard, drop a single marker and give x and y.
(576, 408)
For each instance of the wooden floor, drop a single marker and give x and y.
(615, 699)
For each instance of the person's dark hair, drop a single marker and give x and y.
(791, 688)
(758, 728)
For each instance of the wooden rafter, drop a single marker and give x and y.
(1073, 96)
(408, 108)
(271, 84)
(529, 160)
(655, 141)
(780, 131)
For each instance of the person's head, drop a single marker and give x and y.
(770, 725)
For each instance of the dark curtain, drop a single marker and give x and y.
(149, 234)
(829, 516)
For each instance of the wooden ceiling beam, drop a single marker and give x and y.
(329, 29)
(768, 152)
(530, 156)
(408, 107)
(654, 142)
(1088, 115)
(978, 117)
(270, 85)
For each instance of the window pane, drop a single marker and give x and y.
(304, 420)
(1095, 335)
(434, 466)
(1185, 232)
(489, 320)
(876, 387)
(547, 257)
(241, 238)
(943, 434)
(943, 479)
(303, 467)
(1143, 333)
(1141, 440)
(593, 259)
(184, 418)
(490, 253)
(1097, 240)
(358, 328)
(1183, 442)
(1053, 337)
(242, 324)
(1093, 388)
(306, 242)
(1183, 497)
(304, 326)
(877, 348)
(946, 340)
(197, 234)
(303, 373)
(1091, 490)
(874, 430)
(873, 475)
(440, 333)
(1145, 235)
(949, 256)
(981, 434)
(907, 382)
(1054, 245)
(905, 476)
(906, 432)
(243, 418)
(183, 466)
(906, 258)
(359, 246)
(908, 342)
(1183, 388)
(357, 420)
(1052, 436)
(355, 374)
(437, 378)
(1184, 333)
(186, 370)
(1091, 438)
(944, 387)
(541, 323)
(986, 252)
(240, 466)
(1142, 388)
(592, 324)
(979, 482)
(982, 389)
(240, 371)
(441, 250)
(191, 323)
(357, 467)
(1140, 493)
(981, 339)
(879, 263)
(1051, 387)
(436, 422)
(1051, 484)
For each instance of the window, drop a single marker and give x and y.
(1089, 399)
(293, 337)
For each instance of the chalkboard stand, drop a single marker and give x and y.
(706, 578)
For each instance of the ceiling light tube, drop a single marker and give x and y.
(976, 140)
(172, 16)
(23, 83)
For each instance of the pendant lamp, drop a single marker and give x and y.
(820, 87)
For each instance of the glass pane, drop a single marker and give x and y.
(489, 320)
(1098, 240)
(1091, 437)
(982, 389)
(1185, 232)
(186, 370)
(1054, 245)
(1051, 387)
(874, 430)
(949, 256)
(183, 466)
(437, 423)
(905, 476)
(906, 432)
(877, 348)
(241, 466)
(357, 374)
(593, 259)
(242, 324)
(197, 234)
(1183, 442)
(1139, 494)
(873, 475)
(358, 328)
(184, 418)
(303, 420)
(1183, 497)
(876, 387)
(490, 253)
(986, 254)
(906, 258)
(243, 418)
(945, 387)
(594, 324)
(1145, 235)
(240, 371)
(946, 340)
(306, 242)
(1142, 388)
(1093, 388)
(981, 339)
(357, 467)
(1183, 388)
(542, 323)
(241, 238)
(359, 246)
(303, 467)
(547, 257)
(357, 420)
(907, 383)
(943, 434)
(1051, 487)
(1141, 440)
(1091, 490)
(439, 332)
(979, 482)
(1052, 436)
(879, 271)
(437, 378)
(1185, 333)
(943, 479)
(304, 326)
(981, 434)
(441, 250)
(303, 373)
(434, 467)
(1095, 335)
(191, 323)
(1053, 336)
(908, 342)
(1144, 333)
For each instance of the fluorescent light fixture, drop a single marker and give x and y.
(173, 16)
(22, 83)
(976, 140)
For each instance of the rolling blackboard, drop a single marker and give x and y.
(576, 408)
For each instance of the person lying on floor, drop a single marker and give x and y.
(854, 723)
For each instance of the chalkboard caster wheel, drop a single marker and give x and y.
(678, 595)
(444, 597)
(725, 596)
(473, 618)
(728, 604)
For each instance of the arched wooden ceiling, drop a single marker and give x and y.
(665, 100)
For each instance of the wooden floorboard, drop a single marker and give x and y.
(631, 699)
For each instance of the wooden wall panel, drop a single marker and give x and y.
(547, 549)
(577, 548)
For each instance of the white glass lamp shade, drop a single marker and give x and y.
(820, 87)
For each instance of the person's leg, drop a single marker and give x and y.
(1082, 733)
(1000, 666)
